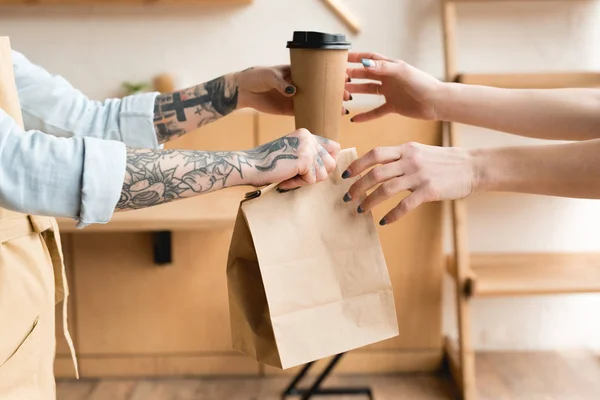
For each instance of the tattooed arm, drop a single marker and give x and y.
(159, 176)
(265, 89)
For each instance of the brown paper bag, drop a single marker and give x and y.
(306, 275)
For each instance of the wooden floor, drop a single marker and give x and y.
(500, 376)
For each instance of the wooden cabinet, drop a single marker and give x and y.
(133, 318)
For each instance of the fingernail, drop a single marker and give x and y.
(350, 97)
(360, 209)
(349, 80)
(352, 119)
(286, 190)
(382, 222)
(290, 90)
(368, 63)
(347, 197)
(347, 112)
(346, 174)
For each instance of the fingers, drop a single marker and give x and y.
(379, 155)
(363, 88)
(320, 170)
(332, 147)
(277, 79)
(373, 114)
(375, 68)
(385, 191)
(327, 159)
(291, 184)
(408, 204)
(356, 57)
(362, 73)
(310, 176)
(315, 168)
(376, 176)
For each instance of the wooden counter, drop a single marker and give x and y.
(130, 317)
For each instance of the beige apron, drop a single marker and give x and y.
(32, 281)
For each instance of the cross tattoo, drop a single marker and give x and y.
(178, 105)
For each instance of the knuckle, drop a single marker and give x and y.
(414, 162)
(376, 174)
(387, 189)
(303, 132)
(274, 73)
(411, 146)
(401, 65)
(404, 206)
(376, 154)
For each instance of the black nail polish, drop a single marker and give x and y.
(347, 112)
(346, 174)
(352, 119)
(286, 190)
(382, 222)
(350, 98)
(349, 80)
(290, 90)
(360, 210)
(347, 197)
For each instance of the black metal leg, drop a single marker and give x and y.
(291, 389)
(316, 390)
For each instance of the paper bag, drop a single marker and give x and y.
(306, 275)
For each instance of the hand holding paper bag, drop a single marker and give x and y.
(306, 275)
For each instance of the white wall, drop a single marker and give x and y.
(97, 47)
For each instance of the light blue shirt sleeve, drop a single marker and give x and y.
(71, 161)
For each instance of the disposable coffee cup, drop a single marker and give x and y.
(318, 63)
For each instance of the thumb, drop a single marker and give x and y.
(377, 67)
(277, 81)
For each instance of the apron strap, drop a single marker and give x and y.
(48, 228)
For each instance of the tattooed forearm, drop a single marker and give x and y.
(158, 176)
(180, 112)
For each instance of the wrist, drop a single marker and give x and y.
(485, 170)
(242, 102)
(445, 96)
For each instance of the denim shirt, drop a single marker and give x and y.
(70, 161)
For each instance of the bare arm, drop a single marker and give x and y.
(567, 170)
(559, 114)
(432, 173)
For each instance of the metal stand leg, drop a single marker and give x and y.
(316, 390)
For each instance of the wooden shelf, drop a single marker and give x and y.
(119, 2)
(495, 1)
(532, 274)
(534, 80)
(213, 210)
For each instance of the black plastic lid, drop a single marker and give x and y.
(318, 40)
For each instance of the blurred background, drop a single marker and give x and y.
(99, 46)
